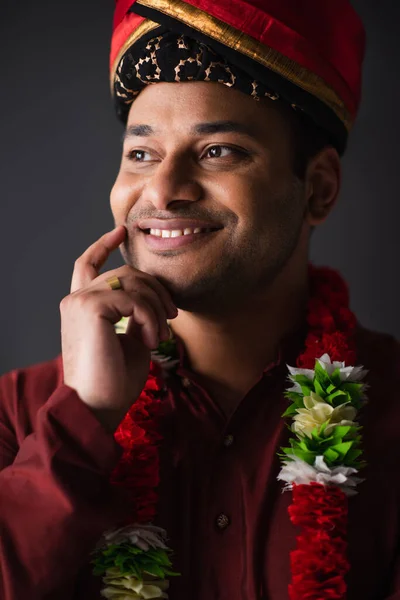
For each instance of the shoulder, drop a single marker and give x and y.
(379, 353)
(24, 391)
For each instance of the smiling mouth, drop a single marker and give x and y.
(177, 240)
(174, 233)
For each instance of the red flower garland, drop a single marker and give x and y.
(138, 471)
(319, 562)
(331, 322)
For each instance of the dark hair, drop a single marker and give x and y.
(308, 139)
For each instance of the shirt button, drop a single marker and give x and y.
(186, 382)
(222, 521)
(228, 440)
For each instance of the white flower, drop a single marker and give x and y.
(142, 536)
(317, 412)
(299, 472)
(309, 373)
(350, 374)
(128, 587)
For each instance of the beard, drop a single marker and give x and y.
(246, 266)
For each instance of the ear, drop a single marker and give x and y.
(323, 179)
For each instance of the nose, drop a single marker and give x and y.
(171, 181)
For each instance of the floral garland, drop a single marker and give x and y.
(319, 466)
(324, 456)
(134, 560)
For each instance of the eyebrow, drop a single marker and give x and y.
(138, 131)
(142, 130)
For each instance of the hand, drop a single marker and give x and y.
(109, 370)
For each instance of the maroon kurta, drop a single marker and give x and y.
(219, 498)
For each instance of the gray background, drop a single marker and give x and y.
(60, 151)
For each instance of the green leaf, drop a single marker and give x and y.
(129, 559)
(330, 455)
(335, 378)
(342, 449)
(290, 411)
(319, 389)
(352, 388)
(286, 451)
(303, 444)
(134, 550)
(316, 435)
(331, 389)
(308, 457)
(303, 380)
(321, 375)
(341, 431)
(352, 455)
(322, 429)
(338, 397)
(170, 573)
(155, 570)
(306, 391)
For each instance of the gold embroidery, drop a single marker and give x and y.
(182, 44)
(183, 63)
(139, 32)
(226, 68)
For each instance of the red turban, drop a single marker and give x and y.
(308, 52)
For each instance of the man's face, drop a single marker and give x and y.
(208, 154)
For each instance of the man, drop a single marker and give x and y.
(236, 118)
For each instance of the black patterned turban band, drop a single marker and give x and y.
(174, 57)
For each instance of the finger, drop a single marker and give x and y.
(155, 333)
(159, 309)
(112, 305)
(88, 265)
(136, 288)
(134, 280)
(152, 282)
(144, 321)
(115, 304)
(95, 303)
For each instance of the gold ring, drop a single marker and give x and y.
(114, 282)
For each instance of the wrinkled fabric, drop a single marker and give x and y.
(220, 502)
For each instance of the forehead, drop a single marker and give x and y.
(180, 106)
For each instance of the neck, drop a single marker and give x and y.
(229, 351)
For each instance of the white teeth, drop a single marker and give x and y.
(166, 233)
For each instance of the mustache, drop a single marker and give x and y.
(194, 215)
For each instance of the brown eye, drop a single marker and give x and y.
(220, 151)
(217, 151)
(136, 155)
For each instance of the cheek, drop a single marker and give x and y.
(266, 206)
(250, 198)
(123, 196)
